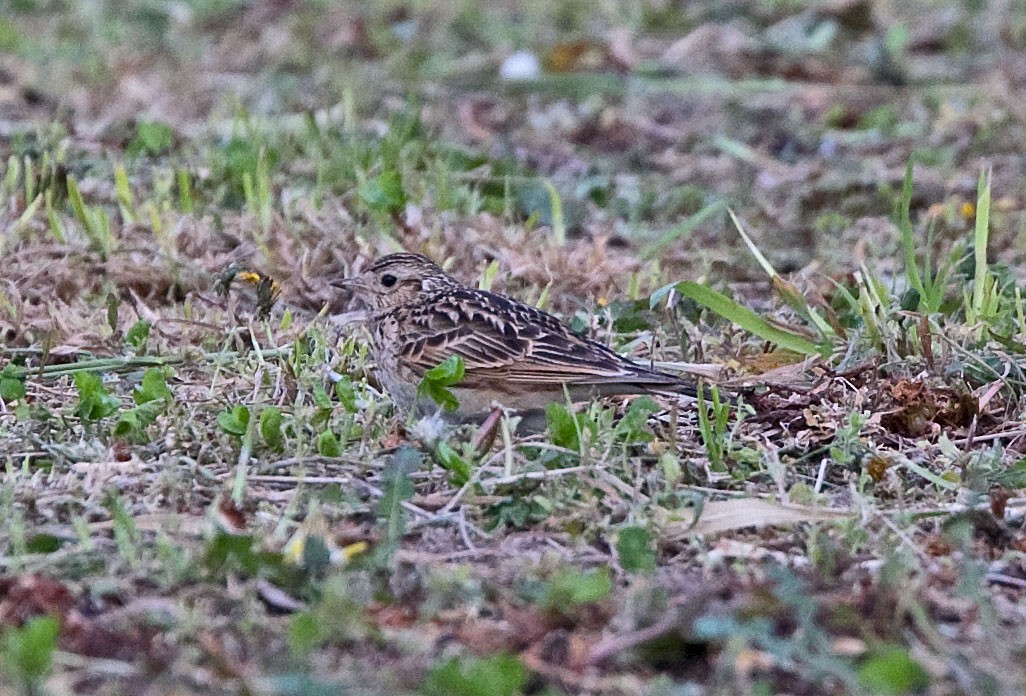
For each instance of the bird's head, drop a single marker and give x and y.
(397, 280)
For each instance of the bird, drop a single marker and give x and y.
(514, 355)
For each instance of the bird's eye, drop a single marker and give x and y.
(388, 280)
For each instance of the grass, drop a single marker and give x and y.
(205, 490)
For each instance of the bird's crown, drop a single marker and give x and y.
(398, 279)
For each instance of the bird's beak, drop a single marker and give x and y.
(345, 283)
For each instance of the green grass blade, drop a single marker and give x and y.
(929, 475)
(681, 229)
(185, 192)
(558, 220)
(980, 242)
(756, 252)
(56, 226)
(79, 209)
(10, 184)
(908, 245)
(30, 212)
(749, 320)
(787, 291)
(30, 180)
(124, 194)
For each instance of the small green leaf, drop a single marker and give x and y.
(324, 407)
(570, 587)
(78, 207)
(448, 372)
(440, 395)
(384, 192)
(129, 425)
(126, 533)
(153, 387)
(562, 426)
(12, 383)
(224, 548)
(304, 633)
(558, 222)
(517, 512)
(42, 543)
(137, 336)
(459, 469)
(94, 401)
(398, 488)
(436, 381)
(328, 445)
(634, 548)
(132, 423)
(497, 675)
(234, 421)
(345, 390)
(633, 427)
(184, 192)
(271, 427)
(321, 398)
(123, 190)
(151, 138)
(27, 652)
(891, 670)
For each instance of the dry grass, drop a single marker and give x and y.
(856, 527)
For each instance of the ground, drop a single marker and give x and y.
(818, 207)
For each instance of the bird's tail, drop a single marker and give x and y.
(710, 392)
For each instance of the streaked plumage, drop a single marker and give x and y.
(514, 354)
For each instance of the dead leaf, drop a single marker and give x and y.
(726, 515)
(25, 596)
(999, 497)
(877, 467)
(230, 518)
(573, 56)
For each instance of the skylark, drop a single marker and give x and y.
(514, 354)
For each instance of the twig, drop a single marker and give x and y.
(684, 611)
(622, 487)
(464, 534)
(313, 459)
(420, 557)
(1002, 579)
(534, 475)
(821, 475)
(378, 493)
(616, 645)
(101, 665)
(139, 361)
(1018, 432)
(272, 478)
(905, 539)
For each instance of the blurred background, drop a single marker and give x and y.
(640, 122)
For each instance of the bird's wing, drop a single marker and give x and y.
(502, 339)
